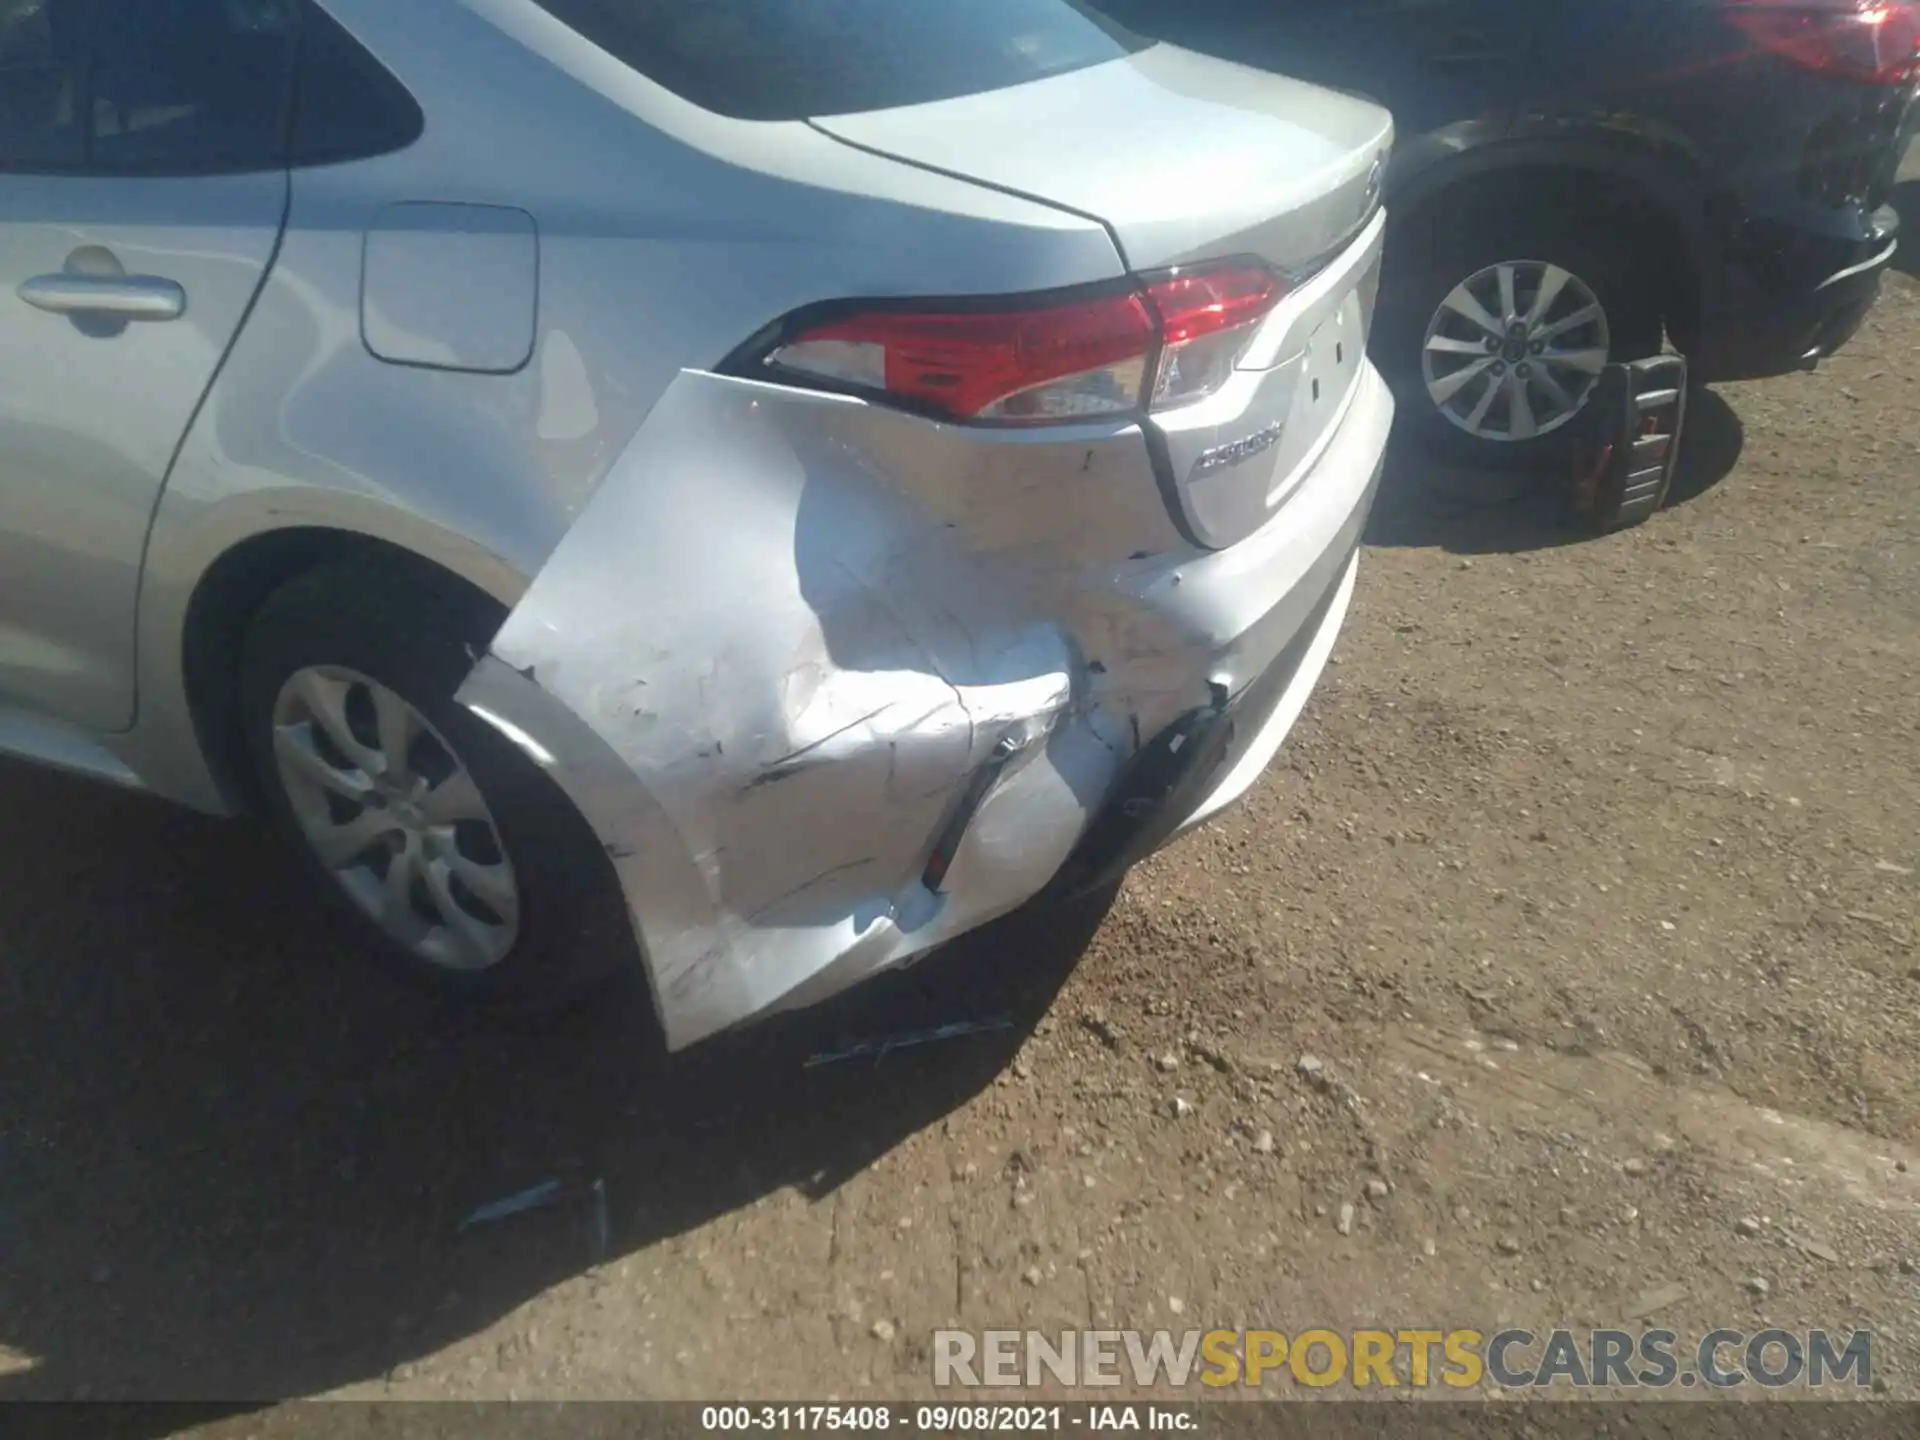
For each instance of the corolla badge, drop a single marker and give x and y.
(1240, 451)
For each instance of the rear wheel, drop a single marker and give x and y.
(1494, 338)
(466, 868)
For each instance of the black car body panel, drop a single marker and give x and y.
(1773, 178)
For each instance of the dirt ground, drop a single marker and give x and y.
(1590, 882)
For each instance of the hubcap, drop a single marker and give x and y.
(393, 812)
(1515, 350)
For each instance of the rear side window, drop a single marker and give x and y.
(189, 86)
(41, 97)
(790, 59)
(346, 105)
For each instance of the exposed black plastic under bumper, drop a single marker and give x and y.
(1175, 773)
(1794, 305)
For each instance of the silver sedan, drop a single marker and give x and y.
(752, 489)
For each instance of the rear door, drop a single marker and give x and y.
(142, 188)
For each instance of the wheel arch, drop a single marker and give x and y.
(193, 660)
(1653, 181)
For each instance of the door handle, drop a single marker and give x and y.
(126, 297)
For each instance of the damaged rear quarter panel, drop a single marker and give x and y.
(779, 640)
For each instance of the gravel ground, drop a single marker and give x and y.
(1590, 881)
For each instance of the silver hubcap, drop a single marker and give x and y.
(1515, 351)
(392, 811)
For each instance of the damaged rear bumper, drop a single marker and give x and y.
(835, 685)
(1211, 756)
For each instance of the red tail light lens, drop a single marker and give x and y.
(1062, 363)
(1120, 353)
(1874, 42)
(1206, 320)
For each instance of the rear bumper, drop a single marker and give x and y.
(1791, 300)
(828, 705)
(1213, 755)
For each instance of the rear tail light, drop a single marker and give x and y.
(1173, 341)
(1065, 362)
(1874, 42)
(1206, 320)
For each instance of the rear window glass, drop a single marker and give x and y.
(790, 59)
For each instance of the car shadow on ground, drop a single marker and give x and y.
(234, 1162)
(1426, 502)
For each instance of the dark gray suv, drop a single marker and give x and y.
(1574, 178)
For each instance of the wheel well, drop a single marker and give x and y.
(1600, 197)
(230, 594)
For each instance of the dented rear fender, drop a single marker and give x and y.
(781, 639)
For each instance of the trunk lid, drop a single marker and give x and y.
(1183, 157)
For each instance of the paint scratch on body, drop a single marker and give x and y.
(903, 626)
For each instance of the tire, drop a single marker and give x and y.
(1424, 269)
(565, 933)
